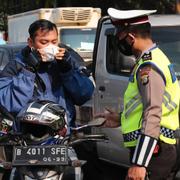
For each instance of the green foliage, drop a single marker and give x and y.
(24, 5)
(3, 15)
(46, 3)
(162, 6)
(49, 3)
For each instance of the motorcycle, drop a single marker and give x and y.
(41, 147)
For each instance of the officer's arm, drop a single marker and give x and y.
(151, 87)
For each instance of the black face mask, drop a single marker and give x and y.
(124, 47)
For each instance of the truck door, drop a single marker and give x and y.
(111, 72)
(112, 69)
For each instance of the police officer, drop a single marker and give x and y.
(151, 100)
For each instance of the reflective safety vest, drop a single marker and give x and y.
(132, 115)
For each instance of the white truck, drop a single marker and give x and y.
(76, 26)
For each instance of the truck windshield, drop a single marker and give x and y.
(168, 39)
(78, 39)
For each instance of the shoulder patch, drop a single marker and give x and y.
(145, 79)
(147, 56)
(144, 74)
(145, 70)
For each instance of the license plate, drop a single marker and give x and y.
(40, 155)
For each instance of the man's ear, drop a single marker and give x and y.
(30, 42)
(131, 36)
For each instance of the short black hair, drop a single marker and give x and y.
(142, 30)
(42, 24)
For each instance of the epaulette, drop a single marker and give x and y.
(147, 56)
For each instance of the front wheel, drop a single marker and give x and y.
(14, 175)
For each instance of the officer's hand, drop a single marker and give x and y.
(136, 173)
(63, 60)
(112, 118)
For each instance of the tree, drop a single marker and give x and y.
(11, 7)
(47, 3)
(162, 6)
(3, 15)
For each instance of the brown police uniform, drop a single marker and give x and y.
(151, 87)
(145, 147)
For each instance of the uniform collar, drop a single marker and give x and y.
(154, 46)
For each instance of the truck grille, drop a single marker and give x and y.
(76, 15)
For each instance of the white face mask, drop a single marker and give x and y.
(50, 51)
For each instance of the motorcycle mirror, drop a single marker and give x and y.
(96, 122)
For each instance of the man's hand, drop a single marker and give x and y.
(63, 60)
(136, 173)
(112, 118)
(61, 54)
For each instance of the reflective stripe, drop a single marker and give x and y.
(167, 105)
(173, 104)
(132, 136)
(132, 101)
(132, 108)
(167, 102)
(168, 96)
(144, 150)
(132, 104)
(150, 153)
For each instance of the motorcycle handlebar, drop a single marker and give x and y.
(94, 123)
(85, 138)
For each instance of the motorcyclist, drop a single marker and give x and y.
(33, 75)
(44, 71)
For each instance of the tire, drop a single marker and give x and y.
(69, 174)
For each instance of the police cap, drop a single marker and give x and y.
(129, 17)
